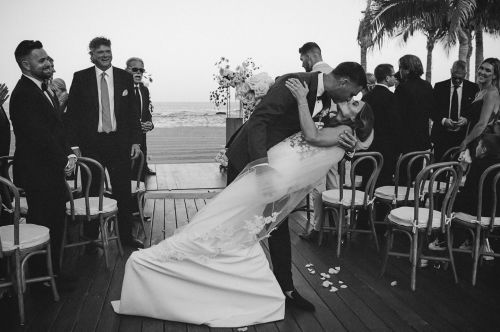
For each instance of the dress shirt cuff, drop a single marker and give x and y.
(442, 121)
(72, 156)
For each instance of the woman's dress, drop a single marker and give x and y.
(214, 271)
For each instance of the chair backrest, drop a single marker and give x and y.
(409, 159)
(85, 163)
(376, 161)
(6, 163)
(139, 160)
(493, 170)
(6, 183)
(426, 179)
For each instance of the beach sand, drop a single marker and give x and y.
(182, 144)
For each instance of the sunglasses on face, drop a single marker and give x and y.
(138, 70)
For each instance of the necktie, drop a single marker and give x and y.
(106, 110)
(454, 104)
(138, 101)
(46, 92)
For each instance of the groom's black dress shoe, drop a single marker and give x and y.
(149, 171)
(312, 236)
(298, 301)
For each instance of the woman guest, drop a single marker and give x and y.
(413, 102)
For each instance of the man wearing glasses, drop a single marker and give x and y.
(135, 66)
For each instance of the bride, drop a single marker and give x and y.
(214, 271)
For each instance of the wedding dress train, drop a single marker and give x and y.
(214, 271)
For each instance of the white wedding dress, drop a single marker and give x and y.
(214, 271)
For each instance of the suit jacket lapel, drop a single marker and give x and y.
(117, 92)
(92, 84)
(38, 91)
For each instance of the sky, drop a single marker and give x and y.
(180, 41)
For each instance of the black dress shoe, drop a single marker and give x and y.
(298, 301)
(133, 243)
(149, 171)
(312, 236)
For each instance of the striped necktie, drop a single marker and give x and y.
(106, 109)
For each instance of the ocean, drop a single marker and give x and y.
(186, 114)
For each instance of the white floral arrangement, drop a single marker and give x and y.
(221, 158)
(251, 92)
(227, 78)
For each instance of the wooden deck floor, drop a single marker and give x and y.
(368, 303)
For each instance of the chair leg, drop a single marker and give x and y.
(371, 220)
(413, 254)
(19, 286)
(51, 273)
(141, 211)
(104, 241)
(389, 238)
(339, 229)
(117, 234)
(63, 243)
(475, 255)
(326, 214)
(449, 239)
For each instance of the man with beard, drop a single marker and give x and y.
(42, 155)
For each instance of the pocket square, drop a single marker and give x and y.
(125, 93)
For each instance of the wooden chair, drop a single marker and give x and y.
(481, 227)
(20, 242)
(6, 173)
(351, 200)
(402, 194)
(100, 209)
(418, 223)
(138, 188)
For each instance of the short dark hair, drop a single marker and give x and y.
(382, 71)
(98, 41)
(353, 71)
(24, 49)
(308, 47)
(413, 64)
(460, 65)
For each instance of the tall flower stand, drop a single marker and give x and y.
(232, 125)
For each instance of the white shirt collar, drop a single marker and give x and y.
(35, 80)
(385, 86)
(321, 86)
(109, 72)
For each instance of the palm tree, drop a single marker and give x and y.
(364, 38)
(433, 18)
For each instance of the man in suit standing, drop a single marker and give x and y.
(275, 118)
(452, 97)
(42, 153)
(103, 123)
(135, 66)
(387, 122)
(4, 123)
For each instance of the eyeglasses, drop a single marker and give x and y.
(140, 70)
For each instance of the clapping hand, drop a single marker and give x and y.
(70, 166)
(4, 93)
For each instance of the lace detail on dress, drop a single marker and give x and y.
(300, 145)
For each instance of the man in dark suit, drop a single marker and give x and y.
(275, 118)
(4, 123)
(135, 66)
(42, 153)
(103, 123)
(387, 120)
(452, 97)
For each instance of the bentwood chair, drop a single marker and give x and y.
(419, 223)
(338, 202)
(402, 194)
(6, 163)
(481, 227)
(97, 209)
(20, 242)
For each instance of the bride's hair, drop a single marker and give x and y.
(363, 123)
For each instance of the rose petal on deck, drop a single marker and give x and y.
(343, 286)
(332, 270)
(333, 289)
(394, 283)
(341, 282)
(337, 268)
(242, 329)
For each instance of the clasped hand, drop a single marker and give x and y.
(455, 125)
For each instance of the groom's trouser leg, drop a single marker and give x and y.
(281, 256)
(232, 173)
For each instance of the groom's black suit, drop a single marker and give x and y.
(275, 118)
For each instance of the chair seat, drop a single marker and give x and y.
(404, 216)
(387, 192)
(30, 235)
(108, 205)
(467, 218)
(333, 197)
(134, 189)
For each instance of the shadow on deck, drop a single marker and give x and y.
(368, 303)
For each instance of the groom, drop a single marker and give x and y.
(275, 118)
